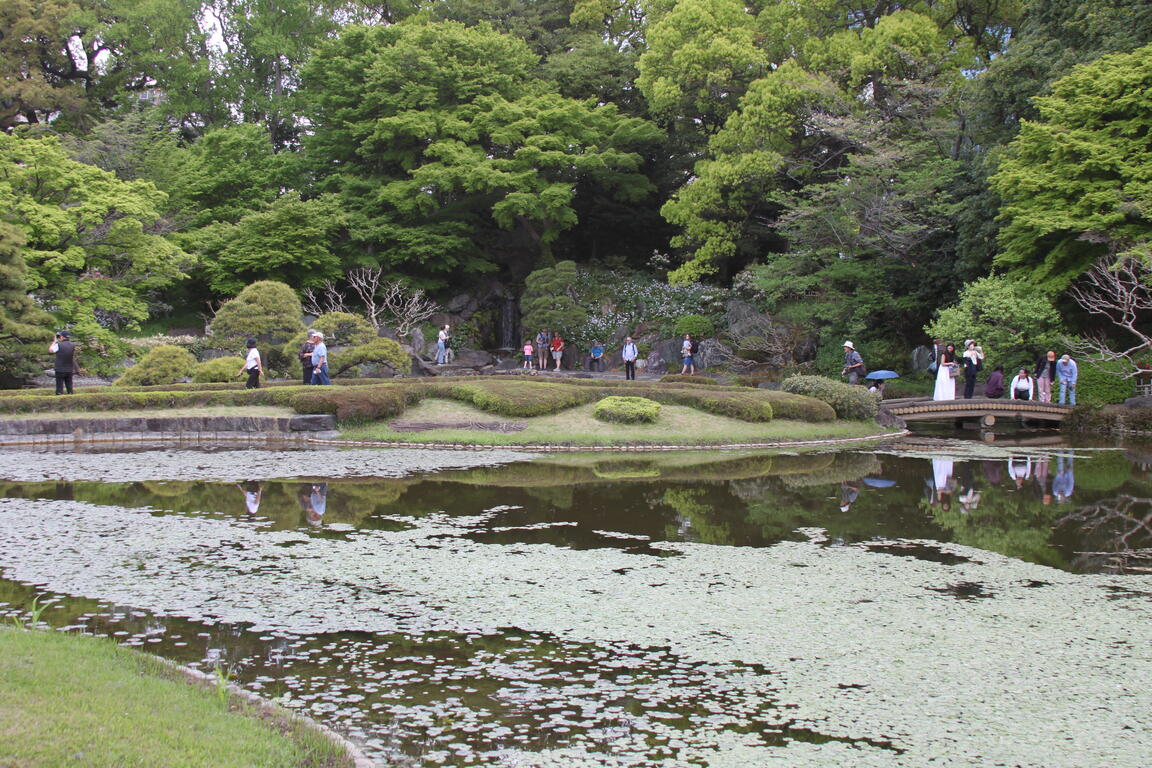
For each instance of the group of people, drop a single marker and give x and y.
(1025, 385)
(548, 344)
(313, 362)
(943, 487)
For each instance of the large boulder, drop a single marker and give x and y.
(712, 353)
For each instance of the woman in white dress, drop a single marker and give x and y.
(945, 384)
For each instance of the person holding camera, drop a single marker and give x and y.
(65, 364)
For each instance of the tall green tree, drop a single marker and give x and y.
(1075, 183)
(23, 325)
(96, 246)
(451, 158)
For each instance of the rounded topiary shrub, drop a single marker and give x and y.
(849, 401)
(220, 369)
(627, 410)
(266, 310)
(697, 325)
(161, 365)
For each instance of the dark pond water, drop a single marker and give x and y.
(425, 680)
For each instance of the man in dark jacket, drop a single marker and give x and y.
(65, 364)
(306, 357)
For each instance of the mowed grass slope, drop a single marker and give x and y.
(676, 425)
(75, 700)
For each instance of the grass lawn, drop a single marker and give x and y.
(677, 425)
(75, 700)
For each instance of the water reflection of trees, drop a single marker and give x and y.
(1116, 534)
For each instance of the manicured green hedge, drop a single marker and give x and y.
(677, 378)
(517, 398)
(849, 401)
(357, 405)
(627, 410)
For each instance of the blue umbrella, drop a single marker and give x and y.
(879, 482)
(883, 375)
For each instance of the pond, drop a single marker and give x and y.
(936, 601)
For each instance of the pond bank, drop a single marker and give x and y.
(70, 697)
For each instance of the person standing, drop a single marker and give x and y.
(973, 363)
(557, 348)
(64, 366)
(320, 359)
(306, 357)
(542, 340)
(994, 387)
(629, 353)
(442, 345)
(529, 355)
(1068, 373)
(853, 364)
(686, 356)
(946, 367)
(252, 366)
(1045, 375)
(695, 349)
(1023, 386)
(596, 358)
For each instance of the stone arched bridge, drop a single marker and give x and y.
(985, 410)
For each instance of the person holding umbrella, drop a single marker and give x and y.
(879, 378)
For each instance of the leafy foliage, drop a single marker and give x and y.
(549, 299)
(161, 365)
(216, 370)
(378, 350)
(1101, 383)
(849, 402)
(1010, 320)
(266, 310)
(22, 323)
(1074, 183)
(95, 247)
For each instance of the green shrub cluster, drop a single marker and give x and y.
(786, 405)
(746, 406)
(378, 350)
(1100, 384)
(850, 402)
(518, 398)
(673, 378)
(697, 325)
(266, 310)
(354, 405)
(627, 410)
(165, 364)
(217, 370)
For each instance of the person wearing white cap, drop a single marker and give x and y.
(319, 359)
(853, 364)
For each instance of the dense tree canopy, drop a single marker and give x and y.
(847, 167)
